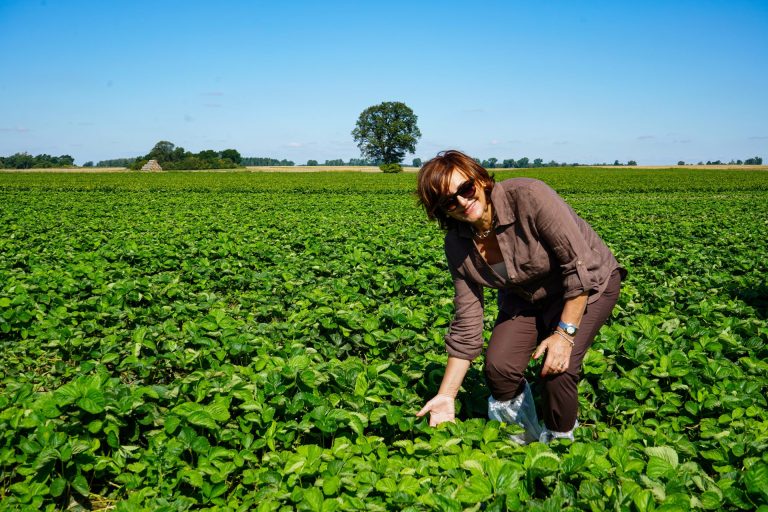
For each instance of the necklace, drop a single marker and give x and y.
(482, 235)
(485, 234)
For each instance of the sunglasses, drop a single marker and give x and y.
(465, 190)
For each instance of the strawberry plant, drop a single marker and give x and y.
(263, 341)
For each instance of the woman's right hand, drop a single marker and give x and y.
(440, 408)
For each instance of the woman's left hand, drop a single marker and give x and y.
(558, 354)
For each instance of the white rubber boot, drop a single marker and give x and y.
(549, 435)
(521, 411)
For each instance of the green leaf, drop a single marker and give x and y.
(331, 485)
(67, 394)
(92, 401)
(80, 485)
(294, 464)
(545, 463)
(45, 456)
(507, 479)
(370, 324)
(171, 424)
(756, 480)
(194, 477)
(58, 486)
(136, 467)
(356, 424)
(473, 465)
(643, 500)
(187, 408)
(477, 489)
(201, 418)
(361, 384)
(666, 453)
(313, 498)
(218, 410)
(408, 485)
(446, 504)
(658, 467)
(94, 427)
(386, 485)
(711, 500)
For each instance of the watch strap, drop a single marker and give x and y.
(569, 329)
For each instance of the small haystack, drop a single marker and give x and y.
(152, 165)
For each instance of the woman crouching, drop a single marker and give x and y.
(557, 283)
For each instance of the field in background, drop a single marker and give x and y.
(374, 169)
(68, 170)
(263, 341)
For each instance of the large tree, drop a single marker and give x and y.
(385, 132)
(233, 155)
(163, 151)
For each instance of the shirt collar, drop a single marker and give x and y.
(465, 230)
(501, 205)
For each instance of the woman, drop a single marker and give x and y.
(557, 282)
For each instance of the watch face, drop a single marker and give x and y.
(569, 329)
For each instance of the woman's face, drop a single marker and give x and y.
(470, 209)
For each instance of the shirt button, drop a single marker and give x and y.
(579, 262)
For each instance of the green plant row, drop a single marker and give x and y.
(263, 341)
(576, 180)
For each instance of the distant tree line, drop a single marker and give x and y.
(175, 158)
(27, 161)
(511, 163)
(171, 157)
(749, 161)
(265, 162)
(357, 162)
(115, 162)
(525, 163)
(522, 163)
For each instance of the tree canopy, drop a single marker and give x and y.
(172, 157)
(264, 161)
(385, 132)
(116, 162)
(27, 161)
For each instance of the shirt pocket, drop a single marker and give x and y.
(531, 261)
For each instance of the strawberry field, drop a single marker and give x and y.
(262, 342)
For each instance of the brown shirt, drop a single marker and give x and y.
(548, 250)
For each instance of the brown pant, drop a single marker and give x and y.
(514, 339)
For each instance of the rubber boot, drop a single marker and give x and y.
(550, 435)
(521, 411)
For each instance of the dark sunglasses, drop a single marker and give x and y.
(465, 190)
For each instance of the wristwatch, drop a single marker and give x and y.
(569, 329)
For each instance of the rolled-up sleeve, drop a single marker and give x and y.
(465, 336)
(568, 237)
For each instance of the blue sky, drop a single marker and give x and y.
(587, 82)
